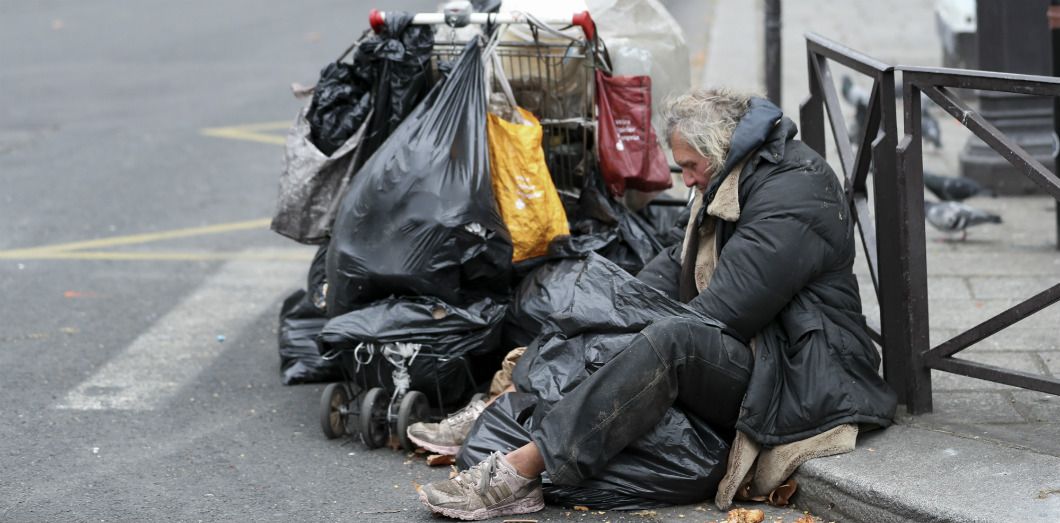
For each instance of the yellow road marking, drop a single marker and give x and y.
(274, 255)
(250, 132)
(78, 250)
(138, 238)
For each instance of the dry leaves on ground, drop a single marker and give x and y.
(743, 515)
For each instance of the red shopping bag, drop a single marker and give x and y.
(630, 155)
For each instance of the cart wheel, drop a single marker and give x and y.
(413, 410)
(373, 417)
(333, 406)
(480, 396)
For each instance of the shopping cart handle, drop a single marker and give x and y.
(377, 18)
(585, 21)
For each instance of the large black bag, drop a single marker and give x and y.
(300, 361)
(301, 319)
(542, 292)
(419, 218)
(354, 107)
(602, 225)
(459, 344)
(680, 461)
(637, 478)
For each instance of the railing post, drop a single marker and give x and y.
(811, 112)
(903, 271)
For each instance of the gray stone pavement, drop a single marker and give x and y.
(987, 451)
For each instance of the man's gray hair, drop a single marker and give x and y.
(705, 119)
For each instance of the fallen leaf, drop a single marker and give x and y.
(453, 472)
(743, 515)
(437, 460)
(644, 513)
(581, 508)
(806, 519)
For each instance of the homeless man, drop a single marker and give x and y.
(768, 253)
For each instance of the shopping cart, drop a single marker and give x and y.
(375, 399)
(550, 72)
(551, 75)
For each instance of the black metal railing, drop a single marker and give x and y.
(937, 84)
(899, 272)
(876, 147)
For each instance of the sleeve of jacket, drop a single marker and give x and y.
(664, 271)
(776, 249)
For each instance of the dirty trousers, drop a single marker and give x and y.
(673, 362)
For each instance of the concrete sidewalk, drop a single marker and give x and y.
(988, 452)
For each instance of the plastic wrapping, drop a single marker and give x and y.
(311, 182)
(355, 106)
(420, 218)
(459, 345)
(680, 461)
(668, 219)
(341, 103)
(300, 361)
(400, 56)
(542, 292)
(602, 225)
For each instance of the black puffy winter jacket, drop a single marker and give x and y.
(784, 277)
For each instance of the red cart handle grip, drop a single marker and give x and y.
(585, 21)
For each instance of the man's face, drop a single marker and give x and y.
(695, 168)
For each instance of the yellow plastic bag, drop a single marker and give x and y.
(526, 196)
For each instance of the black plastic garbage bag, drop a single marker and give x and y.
(420, 218)
(300, 361)
(541, 293)
(668, 218)
(680, 461)
(400, 58)
(459, 345)
(302, 316)
(341, 102)
(600, 224)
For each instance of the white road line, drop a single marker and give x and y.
(182, 343)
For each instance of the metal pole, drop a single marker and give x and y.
(1053, 15)
(772, 49)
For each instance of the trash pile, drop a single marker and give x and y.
(457, 211)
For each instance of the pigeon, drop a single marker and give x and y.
(859, 98)
(953, 217)
(954, 188)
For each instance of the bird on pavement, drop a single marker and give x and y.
(954, 217)
(953, 188)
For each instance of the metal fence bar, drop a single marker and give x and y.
(995, 324)
(995, 138)
(835, 115)
(986, 372)
(905, 314)
(985, 80)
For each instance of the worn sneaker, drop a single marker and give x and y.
(446, 436)
(490, 489)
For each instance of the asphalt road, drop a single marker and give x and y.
(138, 365)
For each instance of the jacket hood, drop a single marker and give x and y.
(764, 129)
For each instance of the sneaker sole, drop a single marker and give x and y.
(438, 449)
(521, 506)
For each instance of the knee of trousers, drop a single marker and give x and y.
(674, 338)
